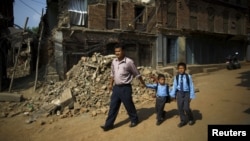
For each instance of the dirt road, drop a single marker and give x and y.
(223, 99)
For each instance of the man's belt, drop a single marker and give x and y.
(183, 91)
(122, 85)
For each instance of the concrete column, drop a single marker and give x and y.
(164, 50)
(248, 53)
(181, 50)
(59, 55)
(154, 54)
(248, 49)
(159, 50)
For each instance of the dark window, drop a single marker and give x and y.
(112, 15)
(112, 10)
(139, 10)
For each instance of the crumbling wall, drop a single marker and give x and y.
(97, 17)
(201, 10)
(151, 20)
(70, 42)
(127, 14)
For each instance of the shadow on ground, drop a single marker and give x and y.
(247, 111)
(197, 115)
(23, 82)
(245, 80)
(143, 114)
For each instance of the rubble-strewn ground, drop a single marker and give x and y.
(84, 91)
(223, 99)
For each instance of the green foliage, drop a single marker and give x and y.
(33, 29)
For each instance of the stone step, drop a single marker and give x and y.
(10, 97)
(199, 74)
(207, 70)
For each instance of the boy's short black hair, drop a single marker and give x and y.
(182, 64)
(160, 76)
(119, 45)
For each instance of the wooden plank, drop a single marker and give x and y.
(18, 53)
(38, 52)
(10, 97)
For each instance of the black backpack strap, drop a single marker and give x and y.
(167, 88)
(156, 87)
(177, 79)
(187, 77)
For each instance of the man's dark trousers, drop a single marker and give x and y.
(122, 93)
(184, 106)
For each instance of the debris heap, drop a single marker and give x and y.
(86, 87)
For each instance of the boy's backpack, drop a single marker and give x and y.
(187, 77)
(168, 99)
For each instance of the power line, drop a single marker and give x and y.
(30, 7)
(39, 2)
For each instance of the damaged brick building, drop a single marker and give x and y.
(155, 32)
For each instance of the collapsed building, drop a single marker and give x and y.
(14, 39)
(155, 32)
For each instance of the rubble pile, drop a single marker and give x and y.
(84, 91)
(87, 87)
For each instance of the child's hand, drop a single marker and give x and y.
(154, 78)
(143, 85)
(173, 99)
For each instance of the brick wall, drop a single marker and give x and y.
(97, 16)
(151, 18)
(183, 16)
(127, 14)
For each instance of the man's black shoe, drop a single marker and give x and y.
(181, 124)
(159, 122)
(107, 128)
(133, 124)
(191, 122)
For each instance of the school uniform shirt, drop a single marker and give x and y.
(186, 88)
(123, 71)
(162, 90)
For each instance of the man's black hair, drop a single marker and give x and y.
(119, 45)
(160, 76)
(182, 64)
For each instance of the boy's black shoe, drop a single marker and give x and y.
(191, 122)
(181, 124)
(159, 122)
(133, 124)
(107, 128)
(164, 114)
